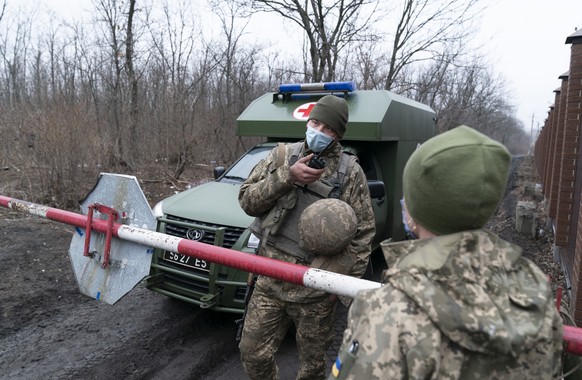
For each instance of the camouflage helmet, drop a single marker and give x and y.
(327, 226)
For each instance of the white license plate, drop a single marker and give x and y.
(188, 261)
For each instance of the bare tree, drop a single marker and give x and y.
(235, 79)
(366, 66)
(131, 75)
(177, 80)
(110, 16)
(329, 27)
(3, 9)
(425, 28)
(471, 94)
(15, 46)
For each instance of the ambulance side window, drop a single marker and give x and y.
(367, 164)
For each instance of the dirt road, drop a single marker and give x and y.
(49, 330)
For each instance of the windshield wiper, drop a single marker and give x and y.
(234, 177)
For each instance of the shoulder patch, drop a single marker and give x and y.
(344, 361)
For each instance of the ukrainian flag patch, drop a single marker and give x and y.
(337, 367)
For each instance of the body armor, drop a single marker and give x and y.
(279, 227)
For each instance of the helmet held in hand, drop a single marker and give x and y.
(327, 227)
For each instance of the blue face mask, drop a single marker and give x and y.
(406, 220)
(317, 141)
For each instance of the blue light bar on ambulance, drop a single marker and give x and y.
(325, 86)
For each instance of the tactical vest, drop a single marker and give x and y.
(278, 228)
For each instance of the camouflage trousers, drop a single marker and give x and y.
(267, 321)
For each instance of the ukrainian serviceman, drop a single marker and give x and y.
(278, 191)
(459, 303)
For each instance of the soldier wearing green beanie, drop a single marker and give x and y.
(459, 303)
(332, 111)
(289, 194)
(455, 181)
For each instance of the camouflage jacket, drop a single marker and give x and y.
(268, 182)
(459, 306)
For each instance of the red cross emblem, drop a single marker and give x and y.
(302, 112)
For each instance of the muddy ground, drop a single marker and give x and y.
(48, 330)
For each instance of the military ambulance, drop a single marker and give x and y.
(383, 131)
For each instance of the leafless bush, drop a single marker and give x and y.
(50, 154)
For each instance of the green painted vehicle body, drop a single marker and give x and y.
(383, 131)
(375, 116)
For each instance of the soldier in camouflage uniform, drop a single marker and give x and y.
(277, 192)
(460, 303)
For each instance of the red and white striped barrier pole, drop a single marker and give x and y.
(296, 274)
(573, 340)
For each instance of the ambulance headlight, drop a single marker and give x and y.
(158, 210)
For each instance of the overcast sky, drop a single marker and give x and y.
(528, 46)
(525, 40)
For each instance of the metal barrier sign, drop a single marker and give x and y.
(106, 268)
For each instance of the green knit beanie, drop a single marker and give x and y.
(455, 181)
(333, 111)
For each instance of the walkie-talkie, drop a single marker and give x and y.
(317, 162)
